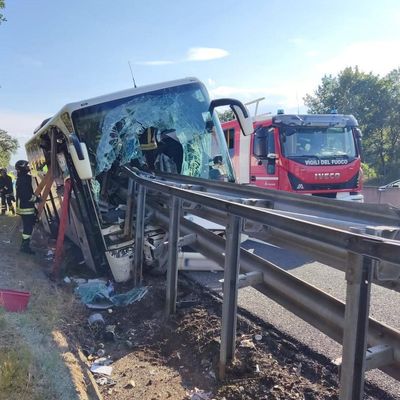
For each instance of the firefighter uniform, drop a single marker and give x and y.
(148, 145)
(26, 200)
(7, 192)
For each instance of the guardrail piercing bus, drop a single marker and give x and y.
(168, 127)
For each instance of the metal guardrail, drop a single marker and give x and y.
(363, 213)
(369, 220)
(346, 323)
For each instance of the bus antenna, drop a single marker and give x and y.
(133, 78)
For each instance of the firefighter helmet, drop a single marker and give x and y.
(22, 166)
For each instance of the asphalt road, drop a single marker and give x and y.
(385, 304)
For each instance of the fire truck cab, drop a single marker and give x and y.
(315, 154)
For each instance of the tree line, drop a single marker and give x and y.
(375, 102)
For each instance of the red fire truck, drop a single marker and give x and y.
(311, 154)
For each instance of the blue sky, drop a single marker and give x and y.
(55, 52)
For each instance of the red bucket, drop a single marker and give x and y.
(13, 300)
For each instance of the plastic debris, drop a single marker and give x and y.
(198, 394)
(109, 333)
(101, 352)
(97, 294)
(101, 369)
(49, 256)
(104, 380)
(96, 319)
(258, 337)
(247, 343)
(67, 280)
(79, 281)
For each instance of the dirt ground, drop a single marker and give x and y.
(154, 357)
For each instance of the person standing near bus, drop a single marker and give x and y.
(7, 192)
(26, 200)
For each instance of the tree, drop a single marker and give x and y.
(226, 115)
(8, 146)
(2, 5)
(375, 102)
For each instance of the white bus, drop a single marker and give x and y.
(169, 127)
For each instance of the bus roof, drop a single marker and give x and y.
(70, 107)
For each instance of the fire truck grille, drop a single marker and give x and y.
(299, 185)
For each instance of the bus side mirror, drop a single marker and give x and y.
(80, 158)
(244, 119)
(239, 109)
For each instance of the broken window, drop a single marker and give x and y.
(169, 130)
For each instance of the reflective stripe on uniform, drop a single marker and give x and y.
(150, 143)
(25, 211)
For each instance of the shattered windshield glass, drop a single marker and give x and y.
(166, 130)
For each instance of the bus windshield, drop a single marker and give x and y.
(166, 130)
(325, 143)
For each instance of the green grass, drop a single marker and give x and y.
(2, 319)
(16, 374)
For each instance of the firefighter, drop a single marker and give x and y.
(7, 192)
(148, 145)
(26, 200)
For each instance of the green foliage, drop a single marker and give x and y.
(369, 173)
(375, 102)
(8, 146)
(226, 116)
(2, 5)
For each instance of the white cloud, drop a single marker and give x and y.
(19, 123)
(376, 56)
(312, 53)
(288, 96)
(29, 61)
(211, 82)
(205, 53)
(155, 63)
(297, 41)
(20, 126)
(193, 54)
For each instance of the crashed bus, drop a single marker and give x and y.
(169, 127)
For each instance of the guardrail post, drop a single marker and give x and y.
(359, 279)
(173, 237)
(139, 235)
(231, 278)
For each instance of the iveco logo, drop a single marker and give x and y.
(327, 175)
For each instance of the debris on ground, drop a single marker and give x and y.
(177, 357)
(98, 294)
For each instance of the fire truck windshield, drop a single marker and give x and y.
(318, 142)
